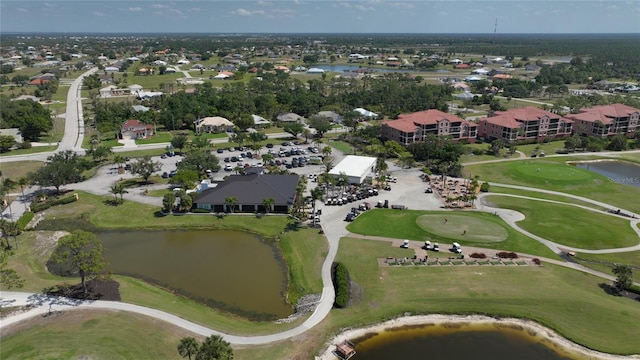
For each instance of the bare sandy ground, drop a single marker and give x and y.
(547, 336)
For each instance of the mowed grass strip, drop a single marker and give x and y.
(570, 225)
(92, 334)
(545, 196)
(133, 215)
(404, 225)
(555, 175)
(568, 301)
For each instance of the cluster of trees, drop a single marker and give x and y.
(30, 117)
(440, 155)
(82, 254)
(61, 169)
(277, 93)
(212, 348)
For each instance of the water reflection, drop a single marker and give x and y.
(232, 270)
(457, 342)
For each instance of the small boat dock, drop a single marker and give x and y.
(345, 350)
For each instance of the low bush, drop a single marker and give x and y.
(47, 204)
(507, 255)
(484, 187)
(478, 255)
(200, 211)
(26, 145)
(24, 219)
(536, 261)
(341, 284)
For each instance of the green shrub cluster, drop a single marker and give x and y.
(45, 205)
(484, 187)
(341, 284)
(24, 219)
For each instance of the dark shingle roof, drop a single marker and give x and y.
(253, 189)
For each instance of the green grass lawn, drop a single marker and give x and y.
(630, 258)
(18, 169)
(555, 175)
(570, 225)
(33, 150)
(161, 137)
(92, 334)
(565, 300)
(342, 146)
(405, 225)
(461, 227)
(540, 195)
(132, 215)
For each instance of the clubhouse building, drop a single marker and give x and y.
(250, 191)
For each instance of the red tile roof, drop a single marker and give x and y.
(613, 110)
(409, 122)
(502, 120)
(529, 113)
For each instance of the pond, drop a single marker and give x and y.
(621, 172)
(459, 341)
(348, 68)
(230, 270)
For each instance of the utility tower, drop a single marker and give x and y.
(495, 30)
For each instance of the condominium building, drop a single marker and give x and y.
(606, 120)
(528, 123)
(415, 127)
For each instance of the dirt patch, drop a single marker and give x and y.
(96, 290)
(46, 241)
(355, 294)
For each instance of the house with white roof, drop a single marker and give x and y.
(213, 124)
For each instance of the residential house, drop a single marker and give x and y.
(524, 124)
(415, 127)
(135, 129)
(606, 120)
(213, 124)
(290, 118)
(15, 132)
(259, 121)
(250, 192)
(462, 66)
(113, 90)
(335, 117)
(366, 114)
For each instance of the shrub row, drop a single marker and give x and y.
(45, 205)
(507, 255)
(24, 219)
(341, 284)
(200, 211)
(478, 255)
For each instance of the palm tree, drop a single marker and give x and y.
(326, 151)
(188, 346)
(118, 189)
(119, 160)
(22, 182)
(268, 204)
(10, 228)
(316, 194)
(5, 187)
(231, 202)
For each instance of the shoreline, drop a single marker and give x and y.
(548, 336)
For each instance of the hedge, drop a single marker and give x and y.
(24, 219)
(45, 205)
(341, 284)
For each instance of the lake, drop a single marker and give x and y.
(230, 270)
(621, 172)
(456, 342)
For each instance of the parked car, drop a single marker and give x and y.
(269, 145)
(220, 151)
(165, 175)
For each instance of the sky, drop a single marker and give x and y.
(320, 16)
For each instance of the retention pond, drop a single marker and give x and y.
(234, 271)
